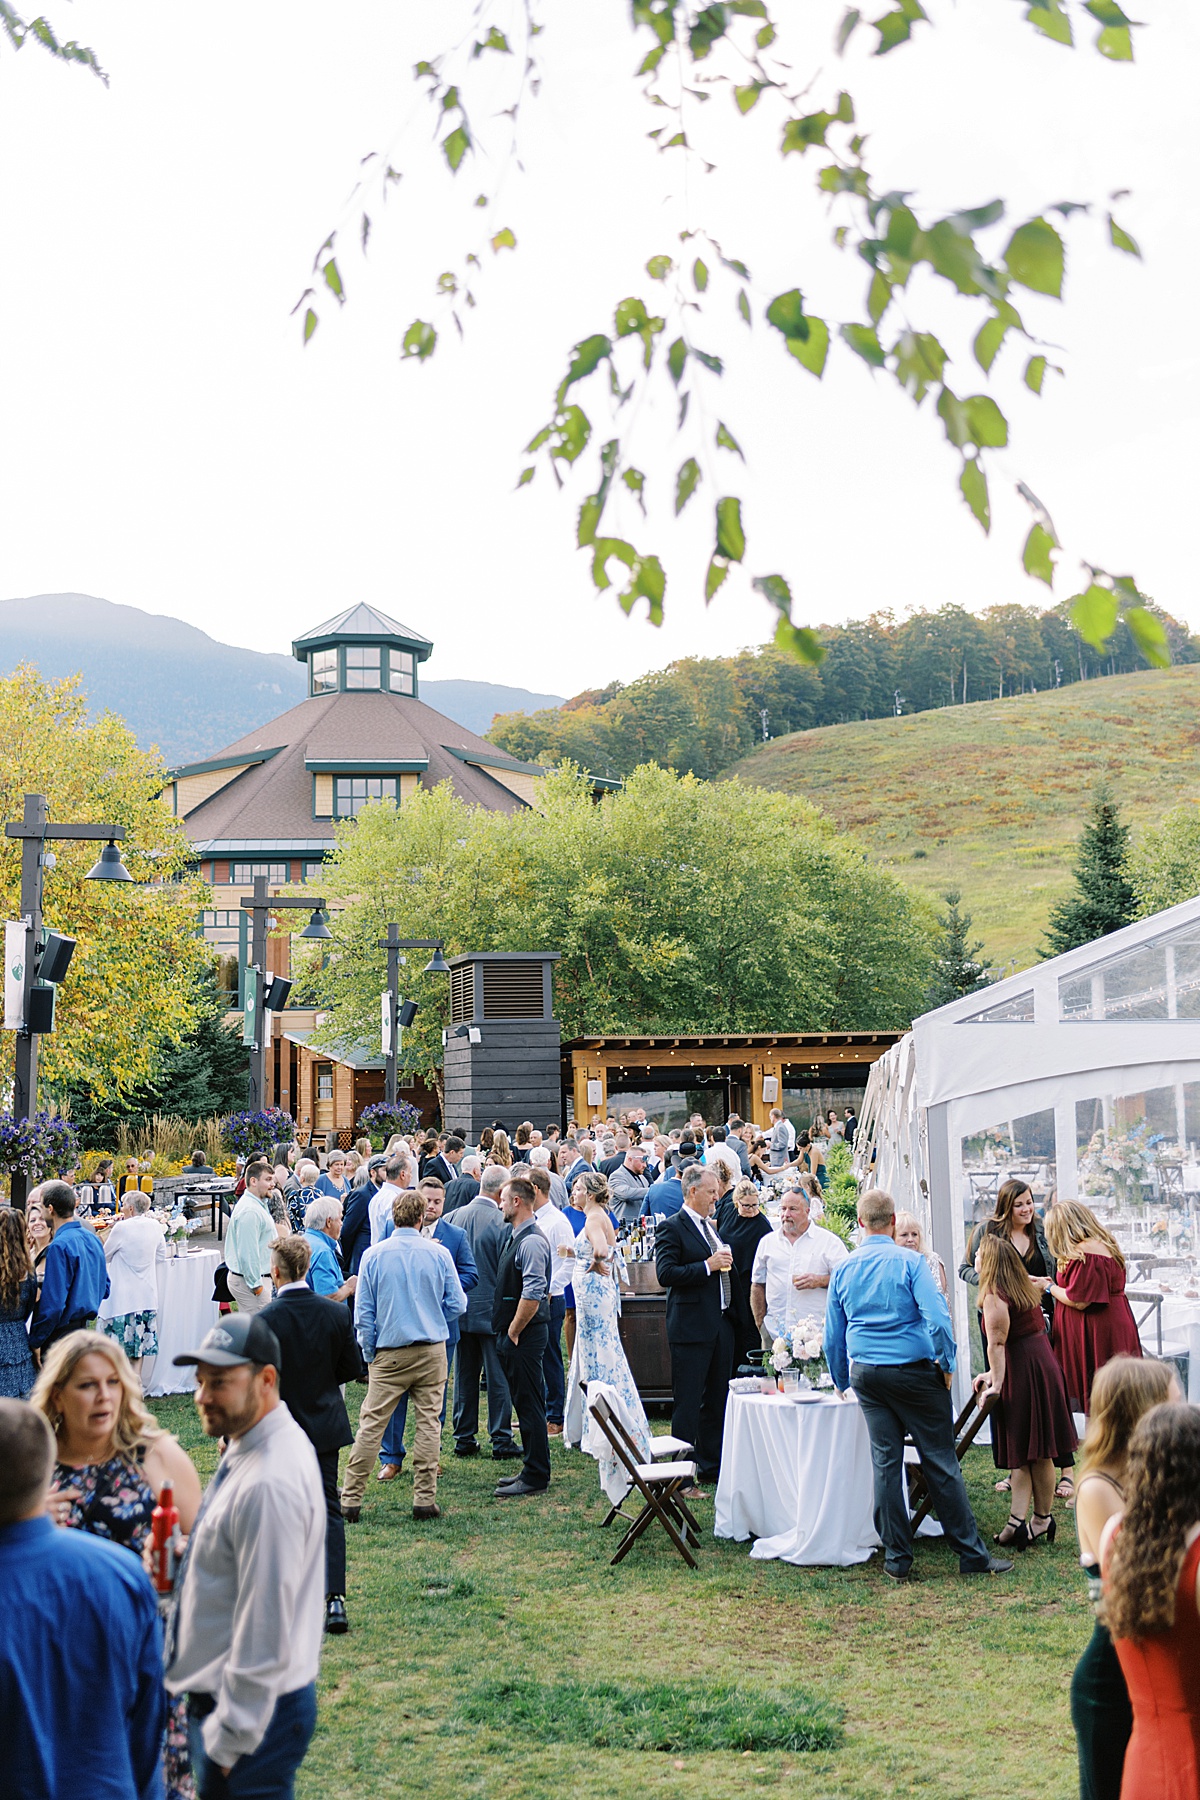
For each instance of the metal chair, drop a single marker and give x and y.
(660, 1486)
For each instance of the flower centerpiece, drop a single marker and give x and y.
(800, 1351)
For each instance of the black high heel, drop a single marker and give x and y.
(1020, 1535)
(1051, 1531)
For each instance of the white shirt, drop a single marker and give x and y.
(252, 1601)
(555, 1225)
(379, 1210)
(721, 1153)
(815, 1252)
(134, 1247)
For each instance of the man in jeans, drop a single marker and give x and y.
(888, 1336)
(249, 1238)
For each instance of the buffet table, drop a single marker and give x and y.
(186, 1310)
(796, 1476)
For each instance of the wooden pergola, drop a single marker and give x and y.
(757, 1065)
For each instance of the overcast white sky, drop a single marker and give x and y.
(169, 444)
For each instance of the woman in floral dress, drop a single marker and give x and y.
(598, 1354)
(18, 1291)
(111, 1463)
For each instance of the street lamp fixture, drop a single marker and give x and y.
(110, 866)
(394, 1015)
(318, 926)
(437, 964)
(261, 992)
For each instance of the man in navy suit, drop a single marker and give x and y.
(705, 1310)
(356, 1223)
(391, 1451)
(488, 1236)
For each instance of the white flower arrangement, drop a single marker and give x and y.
(804, 1343)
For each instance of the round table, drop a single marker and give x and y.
(186, 1310)
(796, 1477)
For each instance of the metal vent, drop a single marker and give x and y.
(512, 990)
(462, 994)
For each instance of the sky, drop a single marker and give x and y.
(171, 444)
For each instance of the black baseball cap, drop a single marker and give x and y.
(240, 1338)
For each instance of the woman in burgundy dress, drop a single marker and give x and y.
(1151, 1563)
(1092, 1317)
(1032, 1429)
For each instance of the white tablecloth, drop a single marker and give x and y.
(186, 1310)
(798, 1479)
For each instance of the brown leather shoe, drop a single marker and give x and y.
(554, 1431)
(427, 1512)
(390, 1472)
(695, 1493)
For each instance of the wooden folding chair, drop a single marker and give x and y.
(660, 1486)
(664, 1448)
(966, 1428)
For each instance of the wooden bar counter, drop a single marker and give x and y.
(643, 1328)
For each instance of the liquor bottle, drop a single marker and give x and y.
(164, 1540)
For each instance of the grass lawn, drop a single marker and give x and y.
(950, 1688)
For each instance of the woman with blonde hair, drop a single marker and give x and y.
(909, 1236)
(1123, 1392)
(1092, 1317)
(597, 1353)
(1151, 1562)
(501, 1152)
(112, 1460)
(1032, 1428)
(18, 1292)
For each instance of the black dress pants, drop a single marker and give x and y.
(700, 1376)
(523, 1365)
(335, 1525)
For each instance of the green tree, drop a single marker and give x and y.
(1164, 861)
(1103, 899)
(957, 969)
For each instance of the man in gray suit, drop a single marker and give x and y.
(488, 1236)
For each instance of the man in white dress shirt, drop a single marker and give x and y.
(790, 1278)
(400, 1174)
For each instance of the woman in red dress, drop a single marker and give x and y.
(1033, 1432)
(1092, 1318)
(1151, 1563)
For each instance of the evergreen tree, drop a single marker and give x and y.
(957, 970)
(1103, 899)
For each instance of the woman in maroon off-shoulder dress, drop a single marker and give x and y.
(1092, 1317)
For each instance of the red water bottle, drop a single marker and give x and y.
(164, 1532)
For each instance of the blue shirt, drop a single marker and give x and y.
(73, 1603)
(325, 1184)
(75, 1283)
(458, 1244)
(665, 1196)
(325, 1268)
(884, 1306)
(408, 1292)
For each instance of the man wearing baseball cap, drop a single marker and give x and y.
(244, 1637)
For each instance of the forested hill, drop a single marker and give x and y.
(701, 715)
(991, 798)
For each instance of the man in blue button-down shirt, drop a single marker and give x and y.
(888, 1336)
(76, 1278)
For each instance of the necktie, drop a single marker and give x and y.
(722, 1274)
(172, 1626)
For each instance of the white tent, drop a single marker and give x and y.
(1082, 1075)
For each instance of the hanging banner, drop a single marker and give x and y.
(249, 1005)
(385, 1023)
(15, 942)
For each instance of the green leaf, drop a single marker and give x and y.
(1148, 634)
(495, 40)
(1035, 373)
(1121, 240)
(1048, 17)
(419, 341)
(743, 305)
(812, 350)
(574, 428)
(850, 19)
(455, 147)
(589, 519)
(920, 360)
(896, 27)
(652, 59)
(676, 357)
(765, 38)
(902, 233)
(731, 539)
(988, 340)
(786, 314)
(799, 641)
(1037, 557)
(504, 240)
(686, 483)
(635, 481)
(526, 477)
(1094, 615)
(602, 550)
(953, 415)
(1115, 40)
(659, 267)
(802, 134)
(973, 483)
(310, 323)
(1034, 257)
(953, 254)
(844, 112)
(727, 441)
(710, 362)
(699, 275)
(879, 296)
(585, 357)
(987, 424)
(333, 281)
(649, 582)
(717, 571)
(746, 98)
(709, 25)
(863, 341)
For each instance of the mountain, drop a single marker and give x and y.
(990, 798)
(179, 688)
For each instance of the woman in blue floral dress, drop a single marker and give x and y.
(112, 1461)
(18, 1291)
(598, 1354)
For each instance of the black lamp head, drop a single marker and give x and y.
(317, 927)
(437, 964)
(110, 867)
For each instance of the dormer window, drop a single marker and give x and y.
(363, 668)
(352, 792)
(323, 666)
(401, 668)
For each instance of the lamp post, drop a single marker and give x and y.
(257, 1000)
(34, 829)
(393, 943)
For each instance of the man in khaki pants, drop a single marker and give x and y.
(408, 1291)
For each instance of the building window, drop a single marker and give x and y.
(311, 871)
(220, 920)
(351, 792)
(363, 666)
(401, 671)
(323, 672)
(244, 874)
(325, 1083)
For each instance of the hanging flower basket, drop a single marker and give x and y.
(256, 1133)
(39, 1147)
